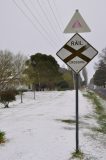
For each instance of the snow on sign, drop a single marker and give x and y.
(77, 24)
(77, 53)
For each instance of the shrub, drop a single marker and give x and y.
(2, 137)
(6, 97)
(63, 85)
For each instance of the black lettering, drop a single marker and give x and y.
(76, 43)
(76, 62)
(80, 43)
(72, 43)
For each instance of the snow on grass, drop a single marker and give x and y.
(34, 132)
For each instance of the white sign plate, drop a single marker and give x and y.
(77, 53)
(77, 24)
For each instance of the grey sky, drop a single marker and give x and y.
(18, 34)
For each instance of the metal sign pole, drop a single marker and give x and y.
(77, 114)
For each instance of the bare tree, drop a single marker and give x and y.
(85, 75)
(103, 55)
(11, 68)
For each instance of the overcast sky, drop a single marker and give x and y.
(41, 30)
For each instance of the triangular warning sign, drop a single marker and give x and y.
(77, 24)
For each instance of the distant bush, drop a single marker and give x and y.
(2, 137)
(6, 97)
(63, 85)
(22, 90)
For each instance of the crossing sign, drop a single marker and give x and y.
(77, 53)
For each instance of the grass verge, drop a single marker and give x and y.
(99, 110)
(78, 154)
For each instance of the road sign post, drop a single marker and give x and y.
(77, 53)
(77, 113)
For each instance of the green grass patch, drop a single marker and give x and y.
(78, 154)
(69, 121)
(92, 96)
(99, 110)
(2, 137)
(88, 116)
(102, 117)
(72, 122)
(101, 129)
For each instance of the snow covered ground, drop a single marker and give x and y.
(35, 131)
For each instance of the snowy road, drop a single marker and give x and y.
(35, 131)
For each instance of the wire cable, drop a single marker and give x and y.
(54, 15)
(37, 21)
(29, 19)
(58, 12)
(46, 15)
(56, 38)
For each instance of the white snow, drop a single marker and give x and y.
(34, 130)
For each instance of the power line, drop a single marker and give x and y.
(29, 19)
(36, 19)
(43, 11)
(43, 14)
(54, 15)
(58, 12)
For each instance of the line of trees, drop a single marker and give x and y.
(99, 77)
(39, 72)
